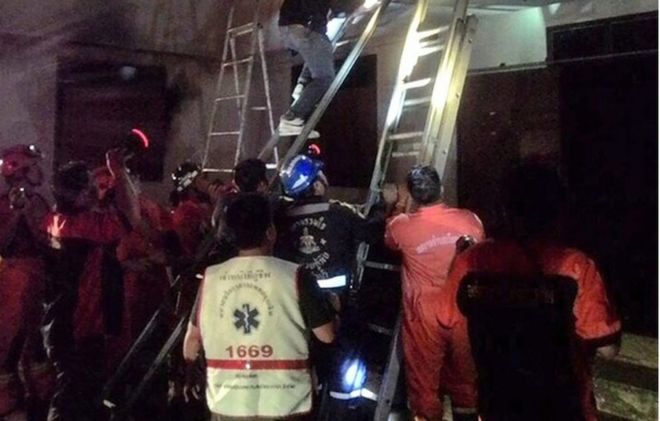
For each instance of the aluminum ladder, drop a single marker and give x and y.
(221, 128)
(419, 128)
(297, 145)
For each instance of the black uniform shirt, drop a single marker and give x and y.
(310, 13)
(323, 235)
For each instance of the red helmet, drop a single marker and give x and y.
(18, 157)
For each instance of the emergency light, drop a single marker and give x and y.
(354, 374)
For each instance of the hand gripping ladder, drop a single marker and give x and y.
(404, 138)
(222, 130)
(340, 77)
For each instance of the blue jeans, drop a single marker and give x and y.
(316, 50)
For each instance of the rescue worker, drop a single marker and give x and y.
(321, 234)
(255, 313)
(532, 251)
(191, 217)
(437, 360)
(84, 295)
(26, 377)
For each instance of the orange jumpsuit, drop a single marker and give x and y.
(190, 219)
(145, 278)
(22, 288)
(437, 360)
(595, 317)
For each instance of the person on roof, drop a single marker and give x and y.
(534, 255)
(437, 360)
(26, 377)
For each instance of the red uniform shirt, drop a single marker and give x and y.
(595, 317)
(99, 228)
(190, 219)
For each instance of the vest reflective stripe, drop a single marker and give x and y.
(334, 282)
(259, 364)
(255, 339)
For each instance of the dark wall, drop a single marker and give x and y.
(99, 103)
(596, 122)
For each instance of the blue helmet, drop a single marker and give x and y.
(299, 174)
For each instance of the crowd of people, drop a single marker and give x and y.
(505, 327)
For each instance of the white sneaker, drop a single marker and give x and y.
(297, 91)
(294, 128)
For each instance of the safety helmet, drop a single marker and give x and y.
(18, 157)
(185, 175)
(299, 174)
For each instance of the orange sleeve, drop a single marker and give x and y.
(594, 313)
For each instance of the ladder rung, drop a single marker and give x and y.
(259, 108)
(226, 98)
(239, 61)
(241, 30)
(432, 32)
(404, 136)
(236, 133)
(343, 42)
(405, 154)
(382, 266)
(415, 102)
(430, 49)
(417, 83)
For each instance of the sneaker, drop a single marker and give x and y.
(294, 127)
(297, 91)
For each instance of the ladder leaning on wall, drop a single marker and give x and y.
(225, 133)
(437, 96)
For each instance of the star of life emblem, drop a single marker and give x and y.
(246, 318)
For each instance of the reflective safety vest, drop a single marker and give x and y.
(255, 339)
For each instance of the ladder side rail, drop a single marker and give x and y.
(381, 163)
(444, 74)
(389, 383)
(218, 86)
(234, 66)
(266, 82)
(171, 342)
(445, 134)
(396, 103)
(330, 93)
(243, 112)
(440, 96)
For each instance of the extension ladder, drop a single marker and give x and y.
(410, 138)
(222, 128)
(339, 79)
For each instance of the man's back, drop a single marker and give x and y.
(322, 236)
(427, 239)
(255, 338)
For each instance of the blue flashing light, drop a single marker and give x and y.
(354, 374)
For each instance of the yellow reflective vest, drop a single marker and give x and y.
(255, 339)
